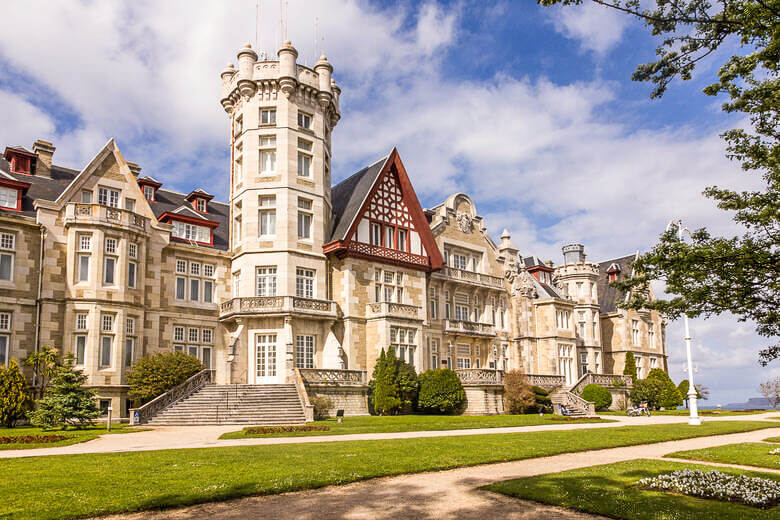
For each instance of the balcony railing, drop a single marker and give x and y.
(480, 376)
(546, 381)
(277, 305)
(390, 254)
(392, 310)
(471, 277)
(321, 376)
(469, 328)
(100, 214)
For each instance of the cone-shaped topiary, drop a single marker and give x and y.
(14, 396)
(384, 395)
(630, 368)
(66, 401)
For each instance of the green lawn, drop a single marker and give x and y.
(70, 486)
(73, 436)
(414, 423)
(746, 454)
(772, 439)
(610, 490)
(702, 413)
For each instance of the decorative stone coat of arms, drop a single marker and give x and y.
(510, 271)
(523, 285)
(464, 221)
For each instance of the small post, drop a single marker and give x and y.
(108, 425)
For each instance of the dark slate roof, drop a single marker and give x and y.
(40, 187)
(347, 198)
(532, 261)
(548, 291)
(170, 201)
(608, 295)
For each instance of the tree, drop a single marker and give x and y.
(702, 392)
(408, 386)
(519, 397)
(14, 398)
(647, 391)
(713, 275)
(683, 389)
(44, 364)
(66, 401)
(384, 393)
(771, 390)
(630, 366)
(440, 391)
(154, 375)
(597, 394)
(669, 397)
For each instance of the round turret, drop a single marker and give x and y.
(289, 75)
(227, 78)
(324, 70)
(573, 253)
(247, 58)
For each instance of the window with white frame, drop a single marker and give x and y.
(86, 197)
(267, 154)
(194, 341)
(107, 323)
(201, 205)
(447, 305)
(434, 303)
(653, 363)
(595, 326)
(236, 284)
(5, 338)
(266, 281)
(434, 353)
(129, 341)
(388, 286)
(110, 259)
(7, 254)
(238, 169)
(463, 355)
(79, 349)
(267, 116)
(194, 281)
(267, 216)
(178, 334)
(132, 265)
(596, 362)
(638, 360)
(402, 340)
(304, 219)
(304, 120)
(193, 232)
(149, 193)
(237, 231)
(106, 340)
(635, 332)
(304, 351)
(129, 204)
(9, 197)
(562, 318)
(581, 324)
(304, 282)
(583, 363)
(108, 197)
(651, 335)
(461, 307)
(81, 321)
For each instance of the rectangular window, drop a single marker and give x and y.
(106, 345)
(267, 154)
(208, 270)
(107, 323)
(266, 281)
(267, 216)
(304, 165)
(205, 357)
(85, 242)
(81, 321)
(4, 345)
(376, 234)
(111, 244)
(131, 274)
(635, 332)
(83, 268)
(129, 204)
(208, 291)
(464, 363)
(304, 226)
(181, 266)
(129, 351)
(304, 120)
(130, 326)
(304, 351)
(207, 335)
(200, 205)
(108, 270)
(303, 144)
(194, 268)
(108, 197)
(194, 290)
(267, 116)
(402, 240)
(80, 350)
(651, 336)
(304, 283)
(132, 251)
(236, 284)
(9, 197)
(238, 125)
(178, 334)
(238, 172)
(181, 284)
(193, 334)
(148, 193)
(86, 197)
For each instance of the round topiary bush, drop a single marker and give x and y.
(440, 391)
(599, 395)
(154, 375)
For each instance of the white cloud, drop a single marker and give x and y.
(598, 29)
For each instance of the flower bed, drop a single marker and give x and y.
(32, 439)
(775, 451)
(285, 429)
(751, 491)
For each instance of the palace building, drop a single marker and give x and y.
(292, 278)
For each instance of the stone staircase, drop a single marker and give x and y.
(577, 406)
(235, 404)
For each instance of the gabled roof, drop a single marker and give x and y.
(169, 201)
(150, 181)
(40, 187)
(608, 295)
(348, 196)
(199, 193)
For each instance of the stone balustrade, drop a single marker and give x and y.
(546, 381)
(573, 402)
(99, 214)
(462, 275)
(159, 403)
(480, 376)
(277, 305)
(318, 376)
(392, 310)
(469, 328)
(605, 380)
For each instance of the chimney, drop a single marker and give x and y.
(134, 169)
(44, 150)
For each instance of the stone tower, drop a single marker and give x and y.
(577, 278)
(281, 118)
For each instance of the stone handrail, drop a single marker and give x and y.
(159, 403)
(546, 381)
(303, 395)
(276, 304)
(605, 380)
(480, 376)
(574, 402)
(474, 277)
(469, 327)
(333, 376)
(398, 310)
(81, 212)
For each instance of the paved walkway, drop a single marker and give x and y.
(449, 494)
(182, 437)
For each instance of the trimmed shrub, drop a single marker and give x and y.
(440, 392)
(264, 430)
(14, 398)
(384, 391)
(408, 386)
(322, 406)
(33, 439)
(518, 395)
(669, 397)
(599, 395)
(542, 403)
(630, 368)
(66, 401)
(151, 376)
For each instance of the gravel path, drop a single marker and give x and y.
(449, 494)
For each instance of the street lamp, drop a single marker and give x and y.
(694, 419)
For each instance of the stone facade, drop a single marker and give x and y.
(291, 272)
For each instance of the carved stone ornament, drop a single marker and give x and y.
(523, 285)
(510, 271)
(464, 221)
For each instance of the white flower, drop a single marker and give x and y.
(715, 484)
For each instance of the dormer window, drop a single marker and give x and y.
(149, 187)
(199, 200)
(612, 272)
(148, 193)
(20, 159)
(200, 205)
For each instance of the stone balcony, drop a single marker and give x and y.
(77, 213)
(470, 277)
(480, 376)
(393, 310)
(469, 328)
(277, 305)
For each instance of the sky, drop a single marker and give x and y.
(529, 110)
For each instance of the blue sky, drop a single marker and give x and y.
(530, 110)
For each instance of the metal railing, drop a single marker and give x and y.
(161, 402)
(480, 376)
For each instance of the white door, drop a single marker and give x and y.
(265, 359)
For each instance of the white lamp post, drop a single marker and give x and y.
(693, 419)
